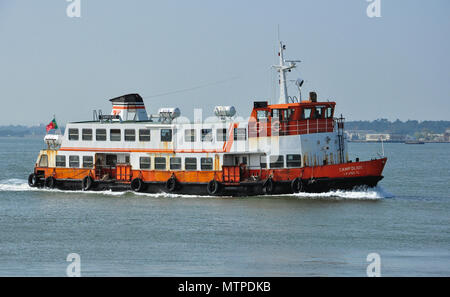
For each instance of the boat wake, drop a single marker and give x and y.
(358, 194)
(21, 185)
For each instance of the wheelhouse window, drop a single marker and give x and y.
(306, 113)
(190, 163)
(166, 135)
(276, 161)
(221, 134)
(88, 161)
(145, 162)
(319, 112)
(175, 163)
(144, 135)
(160, 163)
(73, 134)
(60, 161)
(294, 161)
(329, 113)
(43, 161)
(114, 135)
(130, 135)
(287, 114)
(74, 161)
(100, 134)
(86, 134)
(206, 163)
(240, 134)
(189, 135)
(207, 135)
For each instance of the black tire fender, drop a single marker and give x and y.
(171, 184)
(137, 185)
(213, 187)
(32, 180)
(50, 182)
(269, 186)
(296, 185)
(87, 183)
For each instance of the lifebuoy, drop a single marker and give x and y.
(137, 185)
(276, 126)
(213, 187)
(87, 183)
(171, 184)
(296, 185)
(269, 186)
(50, 182)
(32, 180)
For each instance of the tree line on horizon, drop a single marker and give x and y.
(409, 127)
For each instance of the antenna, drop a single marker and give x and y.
(282, 68)
(278, 28)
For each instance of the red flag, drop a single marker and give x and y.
(52, 125)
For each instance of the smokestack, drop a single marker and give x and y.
(129, 107)
(312, 96)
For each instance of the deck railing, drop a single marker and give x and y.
(274, 128)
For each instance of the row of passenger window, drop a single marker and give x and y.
(206, 135)
(190, 135)
(175, 163)
(116, 134)
(292, 161)
(74, 161)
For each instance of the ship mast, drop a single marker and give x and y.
(282, 68)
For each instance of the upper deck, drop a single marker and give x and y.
(304, 117)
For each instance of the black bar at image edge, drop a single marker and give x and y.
(228, 286)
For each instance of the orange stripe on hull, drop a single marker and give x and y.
(145, 175)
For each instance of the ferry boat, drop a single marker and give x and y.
(292, 146)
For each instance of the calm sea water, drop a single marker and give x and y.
(405, 220)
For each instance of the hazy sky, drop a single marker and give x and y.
(396, 66)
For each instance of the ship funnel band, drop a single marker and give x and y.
(129, 107)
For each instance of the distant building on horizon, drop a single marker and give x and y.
(358, 135)
(378, 137)
(447, 135)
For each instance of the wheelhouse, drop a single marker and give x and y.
(291, 118)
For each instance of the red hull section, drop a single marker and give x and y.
(345, 170)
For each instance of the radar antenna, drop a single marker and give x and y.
(282, 68)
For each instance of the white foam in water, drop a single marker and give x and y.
(20, 185)
(358, 193)
(14, 185)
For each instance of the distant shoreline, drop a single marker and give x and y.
(392, 141)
